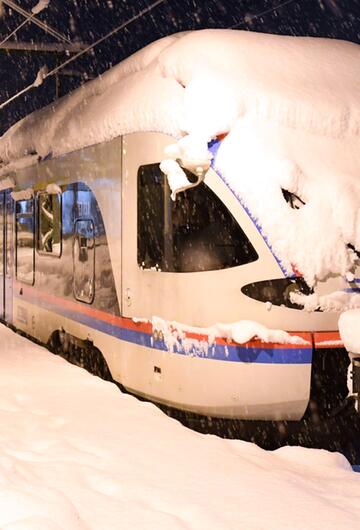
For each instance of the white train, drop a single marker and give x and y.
(99, 262)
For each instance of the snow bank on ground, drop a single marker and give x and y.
(77, 454)
(292, 110)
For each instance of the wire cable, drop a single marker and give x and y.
(28, 19)
(110, 34)
(113, 32)
(38, 22)
(82, 52)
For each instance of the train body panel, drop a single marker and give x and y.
(109, 275)
(218, 290)
(258, 385)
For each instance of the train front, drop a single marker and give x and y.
(285, 277)
(301, 195)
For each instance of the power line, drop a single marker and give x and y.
(17, 95)
(41, 47)
(34, 20)
(17, 28)
(250, 18)
(82, 52)
(113, 32)
(28, 17)
(110, 34)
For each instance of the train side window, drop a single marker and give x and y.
(25, 241)
(196, 232)
(84, 261)
(49, 224)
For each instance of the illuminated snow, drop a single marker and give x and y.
(77, 454)
(336, 301)
(290, 106)
(239, 332)
(23, 195)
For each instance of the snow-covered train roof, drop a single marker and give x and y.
(201, 82)
(290, 106)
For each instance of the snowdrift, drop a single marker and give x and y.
(77, 454)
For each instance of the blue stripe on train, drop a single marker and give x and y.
(190, 347)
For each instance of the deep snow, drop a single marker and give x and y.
(290, 108)
(76, 454)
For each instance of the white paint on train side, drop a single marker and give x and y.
(248, 390)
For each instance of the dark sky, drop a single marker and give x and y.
(88, 20)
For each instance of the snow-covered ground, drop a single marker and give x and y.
(76, 453)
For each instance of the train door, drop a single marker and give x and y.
(2, 255)
(194, 259)
(143, 291)
(6, 255)
(83, 245)
(7, 216)
(84, 260)
(182, 259)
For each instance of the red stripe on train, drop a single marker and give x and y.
(326, 339)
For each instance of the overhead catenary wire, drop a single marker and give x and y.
(38, 8)
(85, 50)
(250, 18)
(28, 19)
(116, 30)
(110, 34)
(45, 27)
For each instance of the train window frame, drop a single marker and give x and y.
(195, 233)
(39, 251)
(81, 298)
(26, 215)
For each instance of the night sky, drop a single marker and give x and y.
(87, 21)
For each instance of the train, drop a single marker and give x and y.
(103, 265)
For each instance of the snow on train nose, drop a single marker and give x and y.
(278, 291)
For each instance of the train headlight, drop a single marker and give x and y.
(278, 291)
